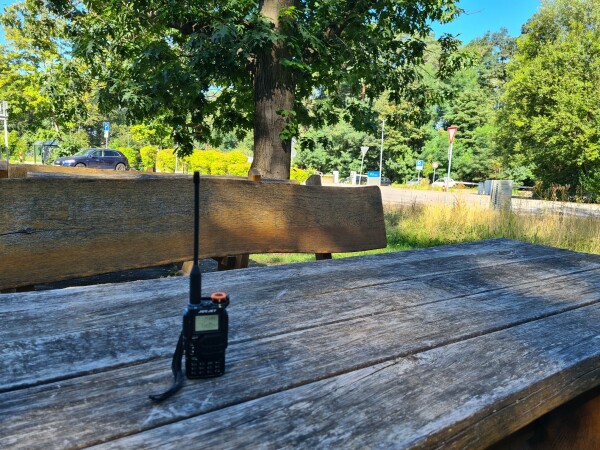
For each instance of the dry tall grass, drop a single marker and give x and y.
(420, 226)
(429, 225)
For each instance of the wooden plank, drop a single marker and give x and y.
(574, 425)
(455, 395)
(74, 312)
(463, 395)
(22, 170)
(303, 352)
(63, 228)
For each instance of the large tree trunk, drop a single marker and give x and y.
(273, 91)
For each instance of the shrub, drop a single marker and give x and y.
(165, 160)
(299, 174)
(133, 156)
(236, 157)
(214, 162)
(218, 167)
(148, 156)
(239, 170)
(201, 160)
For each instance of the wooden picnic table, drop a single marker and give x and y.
(455, 346)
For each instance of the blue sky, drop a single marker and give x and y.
(480, 16)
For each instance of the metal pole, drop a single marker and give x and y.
(381, 153)
(361, 164)
(6, 138)
(449, 165)
(363, 151)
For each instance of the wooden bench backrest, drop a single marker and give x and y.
(53, 228)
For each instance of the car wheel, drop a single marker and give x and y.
(80, 165)
(120, 166)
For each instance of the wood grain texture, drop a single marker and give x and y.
(444, 396)
(441, 398)
(574, 426)
(22, 170)
(60, 228)
(25, 170)
(452, 347)
(374, 285)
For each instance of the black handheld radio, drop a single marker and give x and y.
(205, 321)
(205, 324)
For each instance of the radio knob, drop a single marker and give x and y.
(218, 297)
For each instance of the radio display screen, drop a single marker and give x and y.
(209, 322)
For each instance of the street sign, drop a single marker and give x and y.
(420, 164)
(373, 173)
(451, 133)
(435, 165)
(106, 126)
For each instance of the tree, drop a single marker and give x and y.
(21, 78)
(469, 100)
(238, 64)
(550, 116)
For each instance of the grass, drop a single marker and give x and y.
(420, 226)
(428, 225)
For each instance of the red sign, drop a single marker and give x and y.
(451, 133)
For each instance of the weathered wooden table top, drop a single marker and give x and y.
(448, 346)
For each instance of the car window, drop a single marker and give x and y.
(110, 153)
(97, 154)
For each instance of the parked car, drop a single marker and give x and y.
(360, 179)
(96, 158)
(443, 182)
(413, 182)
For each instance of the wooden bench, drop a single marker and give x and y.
(57, 228)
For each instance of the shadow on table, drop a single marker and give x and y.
(148, 273)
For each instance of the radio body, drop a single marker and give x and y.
(205, 332)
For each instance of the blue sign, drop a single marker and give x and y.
(106, 126)
(420, 164)
(373, 173)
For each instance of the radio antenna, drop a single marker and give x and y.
(196, 275)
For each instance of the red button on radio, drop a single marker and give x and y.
(218, 297)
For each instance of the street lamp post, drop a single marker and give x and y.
(381, 153)
(4, 117)
(451, 133)
(363, 150)
(435, 165)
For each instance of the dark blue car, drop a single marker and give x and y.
(95, 158)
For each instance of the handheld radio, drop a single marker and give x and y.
(205, 324)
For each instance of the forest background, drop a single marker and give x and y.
(526, 108)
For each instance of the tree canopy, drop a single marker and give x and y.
(239, 64)
(550, 115)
